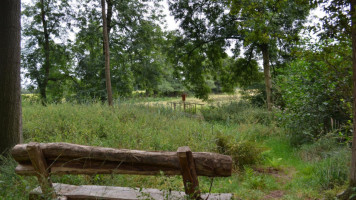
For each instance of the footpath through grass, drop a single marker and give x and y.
(267, 167)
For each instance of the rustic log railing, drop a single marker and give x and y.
(44, 159)
(186, 106)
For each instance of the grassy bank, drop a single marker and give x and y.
(267, 167)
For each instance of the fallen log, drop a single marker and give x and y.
(65, 158)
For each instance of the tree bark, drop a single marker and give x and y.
(10, 82)
(345, 195)
(107, 54)
(267, 73)
(353, 158)
(43, 84)
(109, 16)
(75, 159)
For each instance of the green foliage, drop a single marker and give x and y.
(134, 126)
(320, 149)
(138, 45)
(316, 92)
(9, 181)
(236, 112)
(333, 171)
(240, 72)
(129, 126)
(269, 26)
(243, 152)
(49, 67)
(331, 162)
(256, 181)
(255, 94)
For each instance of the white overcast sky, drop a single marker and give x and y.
(171, 23)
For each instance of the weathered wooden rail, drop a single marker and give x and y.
(44, 159)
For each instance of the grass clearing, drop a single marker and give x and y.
(280, 172)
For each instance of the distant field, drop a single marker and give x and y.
(214, 99)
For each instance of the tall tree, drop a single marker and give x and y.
(106, 48)
(262, 27)
(46, 52)
(132, 29)
(353, 36)
(10, 84)
(45, 22)
(268, 24)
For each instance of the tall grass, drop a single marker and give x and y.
(127, 126)
(237, 112)
(244, 131)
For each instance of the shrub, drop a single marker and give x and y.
(255, 94)
(237, 112)
(242, 152)
(316, 93)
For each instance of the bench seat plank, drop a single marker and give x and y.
(73, 192)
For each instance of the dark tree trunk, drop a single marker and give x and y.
(352, 182)
(10, 83)
(107, 54)
(109, 16)
(267, 73)
(43, 85)
(353, 159)
(108, 27)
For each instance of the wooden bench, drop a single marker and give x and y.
(44, 159)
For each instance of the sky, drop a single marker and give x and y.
(171, 23)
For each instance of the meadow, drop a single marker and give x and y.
(266, 166)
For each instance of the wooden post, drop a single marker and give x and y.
(190, 178)
(40, 165)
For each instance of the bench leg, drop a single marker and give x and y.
(40, 165)
(190, 178)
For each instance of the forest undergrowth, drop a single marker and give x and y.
(266, 165)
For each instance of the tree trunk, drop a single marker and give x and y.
(43, 85)
(267, 73)
(107, 54)
(352, 182)
(109, 16)
(353, 159)
(10, 82)
(74, 159)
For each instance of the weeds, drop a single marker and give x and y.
(246, 133)
(243, 152)
(237, 112)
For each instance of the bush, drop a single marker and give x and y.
(255, 94)
(242, 152)
(237, 112)
(316, 93)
